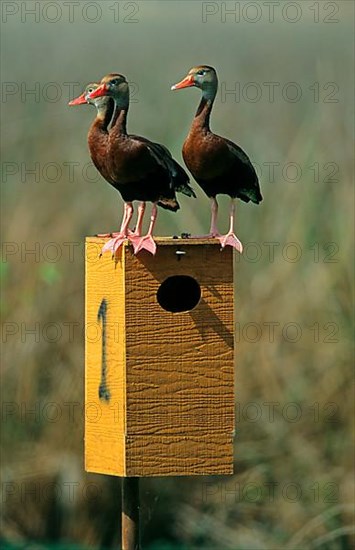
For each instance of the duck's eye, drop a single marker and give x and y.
(201, 73)
(90, 90)
(115, 81)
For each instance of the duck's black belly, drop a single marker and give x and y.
(149, 189)
(242, 185)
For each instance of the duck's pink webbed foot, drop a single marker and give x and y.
(136, 236)
(147, 242)
(117, 241)
(114, 244)
(232, 240)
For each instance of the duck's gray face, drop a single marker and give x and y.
(84, 97)
(112, 85)
(99, 101)
(203, 77)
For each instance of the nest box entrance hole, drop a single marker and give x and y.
(179, 293)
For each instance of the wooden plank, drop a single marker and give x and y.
(165, 241)
(179, 456)
(105, 416)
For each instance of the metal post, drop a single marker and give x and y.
(130, 513)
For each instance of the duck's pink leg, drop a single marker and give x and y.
(135, 237)
(147, 242)
(117, 233)
(125, 214)
(213, 229)
(214, 212)
(115, 243)
(230, 238)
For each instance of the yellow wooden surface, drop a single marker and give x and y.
(170, 374)
(104, 420)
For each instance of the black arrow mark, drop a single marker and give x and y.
(104, 393)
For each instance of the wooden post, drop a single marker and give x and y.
(130, 513)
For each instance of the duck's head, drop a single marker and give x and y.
(112, 85)
(84, 97)
(203, 77)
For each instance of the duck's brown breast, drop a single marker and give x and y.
(206, 155)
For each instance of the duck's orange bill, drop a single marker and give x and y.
(185, 83)
(79, 100)
(99, 92)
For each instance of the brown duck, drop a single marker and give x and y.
(218, 165)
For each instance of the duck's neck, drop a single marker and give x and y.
(104, 115)
(202, 116)
(98, 132)
(119, 120)
(108, 114)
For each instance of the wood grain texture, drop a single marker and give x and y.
(179, 456)
(104, 420)
(170, 375)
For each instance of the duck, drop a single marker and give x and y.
(143, 170)
(217, 164)
(97, 142)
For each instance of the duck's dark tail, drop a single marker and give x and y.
(252, 194)
(169, 204)
(181, 181)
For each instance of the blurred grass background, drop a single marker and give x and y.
(47, 498)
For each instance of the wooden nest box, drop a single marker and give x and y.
(159, 388)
